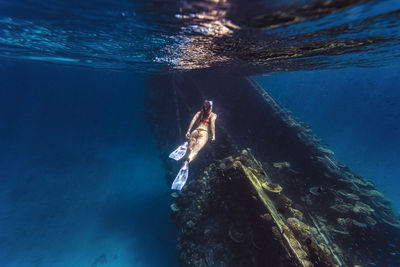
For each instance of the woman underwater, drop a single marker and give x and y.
(197, 139)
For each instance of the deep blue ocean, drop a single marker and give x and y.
(82, 183)
(355, 113)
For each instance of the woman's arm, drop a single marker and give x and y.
(213, 127)
(191, 124)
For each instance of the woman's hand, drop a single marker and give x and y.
(188, 135)
(213, 138)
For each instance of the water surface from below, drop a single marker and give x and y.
(251, 36)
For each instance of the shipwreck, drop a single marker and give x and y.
(266, 193)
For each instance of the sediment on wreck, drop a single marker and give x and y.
(235, 216)
(346, 217)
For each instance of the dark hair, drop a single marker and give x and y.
(205, 110)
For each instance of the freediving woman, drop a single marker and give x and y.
(205, 120)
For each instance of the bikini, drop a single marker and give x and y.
(206, 122)
(201, 129)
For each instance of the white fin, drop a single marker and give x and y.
(181, 178)
(178, 153)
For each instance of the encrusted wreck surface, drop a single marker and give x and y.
(287, 202)
(234, 215)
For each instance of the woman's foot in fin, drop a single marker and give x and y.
(182, 176)
(178, 153)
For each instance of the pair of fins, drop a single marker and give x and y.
(183, 173)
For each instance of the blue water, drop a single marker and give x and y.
(82, 184)
(355, 112)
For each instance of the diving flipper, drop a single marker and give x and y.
(178, 153)
(181, 178)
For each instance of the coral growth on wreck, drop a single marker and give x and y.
(234, 215)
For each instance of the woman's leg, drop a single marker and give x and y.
(193, 140)
(201, 140)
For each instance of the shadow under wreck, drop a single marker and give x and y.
(266, 193)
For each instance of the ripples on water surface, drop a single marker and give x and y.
(256, 36)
